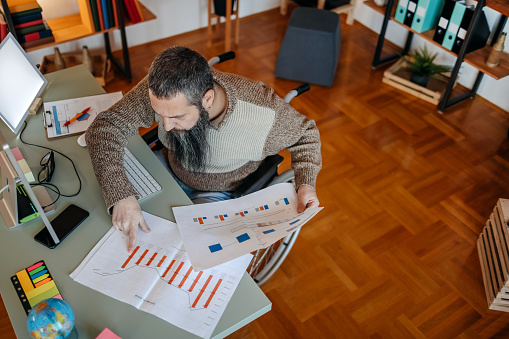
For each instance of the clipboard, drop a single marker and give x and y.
(57, 113)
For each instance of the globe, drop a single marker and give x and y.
(50, 318)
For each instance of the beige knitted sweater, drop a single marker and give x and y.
(256, 123)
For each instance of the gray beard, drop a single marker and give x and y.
(190, 147)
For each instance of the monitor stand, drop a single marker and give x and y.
(9, 200)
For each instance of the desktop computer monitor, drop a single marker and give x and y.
(21, 83)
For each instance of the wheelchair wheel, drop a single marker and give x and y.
(266, 261)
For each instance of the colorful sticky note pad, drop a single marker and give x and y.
(34, 284)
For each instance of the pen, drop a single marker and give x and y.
(67, 123)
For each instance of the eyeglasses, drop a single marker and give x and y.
(48, 167)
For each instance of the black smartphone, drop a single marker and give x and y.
(63, 224)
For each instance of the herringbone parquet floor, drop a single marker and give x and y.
(406, 193)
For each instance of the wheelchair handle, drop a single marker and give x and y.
(297, 91)
(222, 57)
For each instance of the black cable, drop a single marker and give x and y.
(52, 187)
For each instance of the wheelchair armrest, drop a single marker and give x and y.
(151, 138)
(259, 178)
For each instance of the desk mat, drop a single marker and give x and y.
(34, 284)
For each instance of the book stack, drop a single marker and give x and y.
(30, 27)
(104, 13)
(3, 24)
(493, 247)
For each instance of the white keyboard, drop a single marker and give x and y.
(139, 177)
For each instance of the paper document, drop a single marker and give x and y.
(57, 113)
(157, 277)
(218, 232)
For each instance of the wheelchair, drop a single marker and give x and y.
(265, 261)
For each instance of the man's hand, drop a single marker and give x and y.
(307, 198)
(127, 217)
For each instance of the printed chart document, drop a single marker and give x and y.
(158, 278)
(218, 232)
(57, 113)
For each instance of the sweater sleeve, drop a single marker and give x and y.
(107, 136)
(302, 139)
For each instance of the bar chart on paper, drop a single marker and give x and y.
(157, 277)
(57, 113)
(218, 232)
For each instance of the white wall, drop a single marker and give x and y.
(180, 16)
(493, 90)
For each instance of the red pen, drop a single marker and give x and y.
(67, 123)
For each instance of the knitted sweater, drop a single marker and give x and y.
(257, 123)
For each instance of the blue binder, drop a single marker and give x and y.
(480, 33)
(443, 22)
(426, 15)
(401, 11)
(454, 25)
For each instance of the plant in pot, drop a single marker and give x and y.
(420, 64)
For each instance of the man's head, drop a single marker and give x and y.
(181, 91)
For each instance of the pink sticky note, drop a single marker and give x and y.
(17, 153)
(107, 334)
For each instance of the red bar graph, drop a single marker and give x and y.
(161, 261)
(151, 259)
(195, 281)
(176, 272)
(168, 268)
(213, 292)
(130, 257)
(185, 277)
(142, 256)
(201, 291)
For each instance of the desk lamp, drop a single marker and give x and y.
(21, 82)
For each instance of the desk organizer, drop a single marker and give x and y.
(103, 72)
(493, 247)
(397, 77)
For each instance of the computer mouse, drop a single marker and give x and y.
(81, 140)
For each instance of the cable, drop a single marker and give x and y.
(52, 187)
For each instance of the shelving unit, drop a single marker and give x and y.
(80, 25)
(477, 58)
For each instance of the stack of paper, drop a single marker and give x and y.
(158, 278)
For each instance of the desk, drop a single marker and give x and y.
(93, 310)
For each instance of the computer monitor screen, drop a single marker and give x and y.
(21, 83)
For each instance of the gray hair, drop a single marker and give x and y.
(177, 70)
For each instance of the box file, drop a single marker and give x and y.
(480, 34)
(401, 11)
(443, 21)
(426, 15)
(454, 25)
(410, 12)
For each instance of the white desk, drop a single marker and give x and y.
(93, 310)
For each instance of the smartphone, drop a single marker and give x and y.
(63, 224)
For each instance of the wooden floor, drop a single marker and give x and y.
(406, 193)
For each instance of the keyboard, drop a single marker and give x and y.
(139, 177)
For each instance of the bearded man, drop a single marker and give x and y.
(216, 128)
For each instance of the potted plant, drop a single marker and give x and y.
(420, 64)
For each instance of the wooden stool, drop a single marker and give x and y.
(228, 24)
(348, 8)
